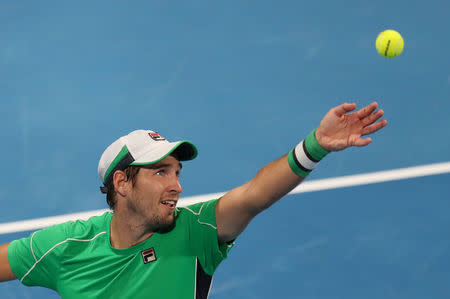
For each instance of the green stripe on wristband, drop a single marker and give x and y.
(294, 167)
(314, 148)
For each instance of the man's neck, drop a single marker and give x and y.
(126, 232)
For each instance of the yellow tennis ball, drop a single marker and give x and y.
(389, 43)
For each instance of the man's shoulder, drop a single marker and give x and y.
(198, 213)
(87, 227)
(197, 208)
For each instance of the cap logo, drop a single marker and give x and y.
(155, 136)
(148, 255)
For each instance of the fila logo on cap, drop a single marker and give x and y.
(155, 136)
(148, 255)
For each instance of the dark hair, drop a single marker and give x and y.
(131, 173)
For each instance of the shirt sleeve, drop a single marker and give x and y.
(203, 236)
(34, 260)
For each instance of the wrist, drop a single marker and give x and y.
(306, 155)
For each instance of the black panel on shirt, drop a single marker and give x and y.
(203, 283)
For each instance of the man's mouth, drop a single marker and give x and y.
(170, 204)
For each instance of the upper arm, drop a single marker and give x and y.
(237, 208)
(233, 214)
(5, 269)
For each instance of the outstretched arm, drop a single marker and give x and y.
(5, 270)
(340, 128)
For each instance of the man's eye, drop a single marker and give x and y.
(160, 172)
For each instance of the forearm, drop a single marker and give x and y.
(270, 184)
(279, 177)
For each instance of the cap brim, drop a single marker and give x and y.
(184, 151)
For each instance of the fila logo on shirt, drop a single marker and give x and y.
(148, 255)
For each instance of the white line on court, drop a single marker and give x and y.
(307, 186)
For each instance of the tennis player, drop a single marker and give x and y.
(146, 247)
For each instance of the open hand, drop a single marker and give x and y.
(340, 129)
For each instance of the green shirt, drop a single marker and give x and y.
(76, 258)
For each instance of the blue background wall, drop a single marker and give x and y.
(245, 81)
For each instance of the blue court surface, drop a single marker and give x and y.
(245, 81)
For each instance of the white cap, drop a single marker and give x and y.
(141, 147)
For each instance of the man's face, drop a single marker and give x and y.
(155, 194)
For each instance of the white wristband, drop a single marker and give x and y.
(306, 155)
(303, 157)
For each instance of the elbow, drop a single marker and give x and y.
(257, 202)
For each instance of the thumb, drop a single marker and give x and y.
(362, 141)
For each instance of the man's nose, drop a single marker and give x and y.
(176, 185)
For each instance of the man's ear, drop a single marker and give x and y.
(121, 184)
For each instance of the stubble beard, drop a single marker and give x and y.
(154, 222)
(157, 223)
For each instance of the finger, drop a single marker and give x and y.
(362, 141)
(344, 108)
(366, 111)
(372, 117)
(374, 127)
